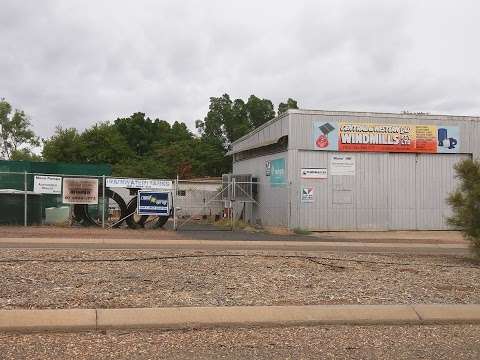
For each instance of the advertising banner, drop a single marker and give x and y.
(277, 172)
(352, 136)
(314, 173)
(139, 183)
(47, 184)
(307, 195)
(80, 191)
(153, 203)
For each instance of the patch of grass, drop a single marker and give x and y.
(300, 231)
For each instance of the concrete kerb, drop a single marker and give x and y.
(238, 316)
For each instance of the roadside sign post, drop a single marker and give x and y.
(175, 193)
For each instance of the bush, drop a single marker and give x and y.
(465, 202)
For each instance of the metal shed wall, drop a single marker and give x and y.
(271, 207)
(268, 133)
(389, 191)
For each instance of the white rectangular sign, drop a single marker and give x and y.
(307, 195)
(47, 184)
(343, 165)
(139, 183)
(80, 191)
(314, 173)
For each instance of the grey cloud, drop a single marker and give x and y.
(75, 63)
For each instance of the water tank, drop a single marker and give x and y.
(12, 207)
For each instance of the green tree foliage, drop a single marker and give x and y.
(229, 120)
(137, 146)
(66, 145)
(25, 155)
(141, 132)
(290, 104)
(465, 202)
(259, 111)
(15, 131)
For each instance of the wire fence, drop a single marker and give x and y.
(28, 198)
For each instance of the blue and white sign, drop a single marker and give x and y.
(278, 174)
(153, 203)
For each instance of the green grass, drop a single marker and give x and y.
(300, 231)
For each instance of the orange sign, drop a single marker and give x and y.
(348, 136)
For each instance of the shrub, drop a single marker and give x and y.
(465, 202)
(301, 231)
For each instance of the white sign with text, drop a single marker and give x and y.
(342, 165)
(47, 184)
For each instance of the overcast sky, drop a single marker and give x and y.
(75, 63)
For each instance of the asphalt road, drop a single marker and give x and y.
(228, 245)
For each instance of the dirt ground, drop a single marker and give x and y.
(425, 237)
(155, 278)
(336, 342)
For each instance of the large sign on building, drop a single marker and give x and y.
(353, 136)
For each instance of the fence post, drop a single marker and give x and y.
(103, 201)
(25, 200)
(232, 203)
(175, 193)
(289, 199)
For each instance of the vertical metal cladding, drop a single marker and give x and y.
(388, 191)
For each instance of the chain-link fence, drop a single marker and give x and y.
(261, 205)
(104, 201)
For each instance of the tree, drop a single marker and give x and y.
(103, 143)
(141, 132)
(283, 107)
(259, 111)
(465, 202)
(15, 131)
(25, 155)
(66, 145)
(230, 120)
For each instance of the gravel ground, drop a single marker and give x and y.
(126, 278)
(372, 342)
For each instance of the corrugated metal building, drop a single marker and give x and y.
(333, 170)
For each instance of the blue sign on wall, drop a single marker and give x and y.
(277, 174)
(153, 203)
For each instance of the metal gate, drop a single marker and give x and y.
(203, 205)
